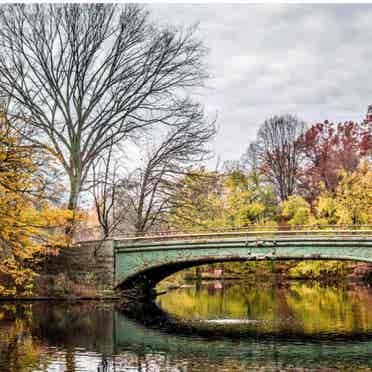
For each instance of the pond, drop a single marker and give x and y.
(219, 326)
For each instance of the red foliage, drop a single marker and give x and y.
(329, 148)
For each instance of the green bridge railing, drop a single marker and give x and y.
(95, 233)
(251, 232)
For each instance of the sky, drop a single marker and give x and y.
(313, 61)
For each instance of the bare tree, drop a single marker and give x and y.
(277, 153)
(104, 188)
(85, 76)
(150, 187)
(250, 159)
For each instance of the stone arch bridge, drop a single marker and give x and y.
(142, 262)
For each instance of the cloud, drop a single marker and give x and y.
(314, 61)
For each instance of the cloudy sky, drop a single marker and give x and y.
(314, 61)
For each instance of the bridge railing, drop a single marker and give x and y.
(95, 233)
(251, 232)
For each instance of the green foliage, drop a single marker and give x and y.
(247, 200)
(297, 211)
(210, 201)
(320, 270)
(196, 201)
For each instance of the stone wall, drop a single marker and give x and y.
(92, 261)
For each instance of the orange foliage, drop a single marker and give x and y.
(30, 225)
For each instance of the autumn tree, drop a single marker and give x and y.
(353, 198)
(247, 200)
(213, 201)
(349, 204)
(86, 75)
(277, 153)
(329, 150)
(196, 204)
(297, 211)
(30, 223)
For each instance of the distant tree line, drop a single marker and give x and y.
(290, 174)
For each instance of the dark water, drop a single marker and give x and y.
(210, 327)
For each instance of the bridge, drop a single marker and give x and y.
(142, 262)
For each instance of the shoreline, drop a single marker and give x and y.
(189, 282)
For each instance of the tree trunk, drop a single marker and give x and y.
(74, 196)
(75, 185)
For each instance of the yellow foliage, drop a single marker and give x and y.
(326, 270)
(354, 197)
(309, 308)
(210, 201)
(352, 202)
(297, 211)
(197, 202)
(24, 351)
(326, 208)
(30, 226)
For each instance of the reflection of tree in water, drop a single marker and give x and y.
(18, 350)
(306, 307)
(27, 332)
(328, 309)
(84, 325)
(36, 336)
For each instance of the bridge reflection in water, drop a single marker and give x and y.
(301, 325)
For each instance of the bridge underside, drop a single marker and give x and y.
(141, 265)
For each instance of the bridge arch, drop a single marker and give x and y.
(142, 263)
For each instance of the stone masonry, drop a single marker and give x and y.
(88, 261)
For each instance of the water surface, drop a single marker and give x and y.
(233, 327)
